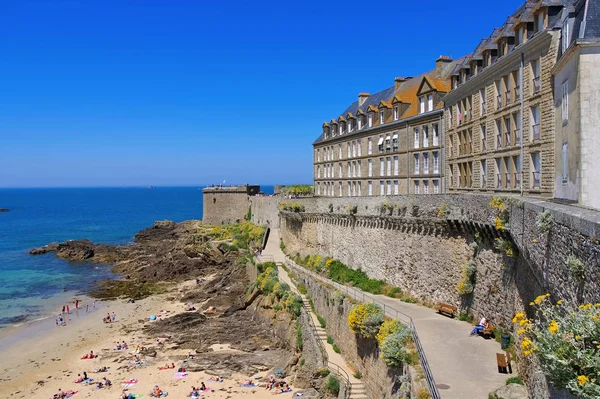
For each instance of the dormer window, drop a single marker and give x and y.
(540, 21)
(381, 117)
(333, 130)
(359, 122)
(430, 102)
(342, 128)
(396, 113)
(370, 119)
(421, 105)
(349, 125)
(565, 36)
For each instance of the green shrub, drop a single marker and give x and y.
(323, 372)
(514, 380)
(338, 297)
(576, 267)
(392, 292)
(467, 283)
(322, 321)
(343, 274)
(464, 316)
(329, 340)
(301, 362)
(366, 319)
(394, 351)
(277, 307)
(544, 222)
(333, 385)
(336, 349)
(291, 207)
(281, 290)
(388, 328)
(293, 303)
(506, 246)
(298, 189)
(357, 374)
(302, 289)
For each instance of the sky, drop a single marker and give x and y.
(176, 92)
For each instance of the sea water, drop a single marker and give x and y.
(34, 287)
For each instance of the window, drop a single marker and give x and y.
(353, 149)
(483, 103)
(370, 167)
(318, 155)
(396, 187)
(354, 189)
(565, 162)
(395, 142)
(535, 168)
(381, 167)
(539, 22)
(340, 169)
(483, 138)
(389, 187)
(483, 172)
(436, 136)
(370, 149)
(381, 188)
(421, 105)
(436, 162)
(359, 122)
(416, 187)
(318, 172)
(436, 186)
(416, 137)
(381, 117)
(341, 190)
(425, 187)
(318, 188)
(353, 169)
(396, 114)
(535, 123)
(425, 136)
(430, 102)
(499, 171)
(416, 164)
(396, 165)
(565, 101)
(426, 163)
(389, 166)
(517, 162)
(370, 119)
(370, 188)
(349, 189)
(340, 151)
(388, 143)
(535, 68)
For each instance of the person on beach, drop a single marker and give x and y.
(76, 303)
(483, 324)
(107, 382)
(63, 309)
(113, 317)
(94, 305)
(87, 308)
(68, 312)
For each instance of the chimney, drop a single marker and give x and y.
(439, 64)
(398, 81)
(362, 97)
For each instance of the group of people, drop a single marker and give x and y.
(157, 392)
(197, 390)
(281, 385)
(63, 394)
(109, 318)
(63, 316)
(121, 346)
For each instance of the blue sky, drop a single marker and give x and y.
(174, 92)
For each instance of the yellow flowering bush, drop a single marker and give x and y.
(388, 328)
(366, 319)
(501, 219)
(566, 339)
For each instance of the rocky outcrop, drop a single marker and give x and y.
(45, 249)
(510, 391)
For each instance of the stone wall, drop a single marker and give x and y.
(380, 380)
(225, 205)
(265, 211)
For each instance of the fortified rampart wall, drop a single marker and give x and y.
(226, 205)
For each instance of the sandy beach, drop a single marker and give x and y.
(46, 358)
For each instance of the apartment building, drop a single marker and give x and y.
(500, 114)
(388, 143)
(577, 106)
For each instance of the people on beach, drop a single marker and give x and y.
(156, 392)
(106, 381)
(76, 303)
(90, 355)
(271, 382)
(113, 317)
(94, 305)
(215, 379)
(87, 308)
(102, 369)
(167, 367)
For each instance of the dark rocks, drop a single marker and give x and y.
(45, 249)
(77, 250)
(161, 230)
(3, 210)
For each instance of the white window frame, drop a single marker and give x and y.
(430, 102)
(370, 168)
(425, 136)
(396, 113)
(436, 135)
(370, 189)
(358, 168)
(396, 165)
(416, 187)
(381, 167)
(389, 166)
(436, 186)
(381, 187)
(421, 105)
(565, 162)
(359, 122)
(396, 190)
(436, 162)
(388, 184)
(565, 101)
(358, 150)
(381, 117)
(417, 137)
(426, 163)
(370, 149)
(370, 118)
(417, 165)
(425, 186)
(349, 149)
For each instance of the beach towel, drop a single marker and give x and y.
(135, 395)
(164, 394)
(88, 381)
(286, 391)
(129, 383)
(179, 376)
(248, 385)
(71, 394)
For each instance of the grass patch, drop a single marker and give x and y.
(514, 380)
(301, 362)
(464, 316)
(329, 340)
(336, 349)
(323, 372)
(357, 374)
(302, 289)
(322, 321)
(299, 341)
(107, 289)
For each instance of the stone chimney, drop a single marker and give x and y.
(362, 97)
(398, 81)
(439, 64)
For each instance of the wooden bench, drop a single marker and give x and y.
(503, 362)
(487, 332)
(444, 308)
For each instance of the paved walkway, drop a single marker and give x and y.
(463, 367)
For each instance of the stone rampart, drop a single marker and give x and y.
(265, 211)
(225, 205)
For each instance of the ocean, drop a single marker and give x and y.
(34, 287)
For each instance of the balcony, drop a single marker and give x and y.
(535, 181)
(483, 108)
(499, 102)
(517, 91)
(507, 94)
(536, 132)
(537, 85)
(517, 180)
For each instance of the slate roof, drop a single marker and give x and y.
(405, 93)
(592, 21)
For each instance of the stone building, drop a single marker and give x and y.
(388, 143)
(500, 114)
(577, 106)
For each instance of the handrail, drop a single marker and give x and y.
(387, 309)
(330, 365)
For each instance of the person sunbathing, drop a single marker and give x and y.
(166, 366)
(102, 369)
(79, 379)
(284, 389)
(216, 379)
(194, 394)
(246, 382)
(89, 355)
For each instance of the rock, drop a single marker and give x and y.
(3, 210)
(45, 249)
(76, 250)
(510, 391)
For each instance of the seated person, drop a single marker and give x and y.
(107, 382)
(203, 387)
(483, 324)
(79, 378)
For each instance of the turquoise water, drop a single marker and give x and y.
(34, 286)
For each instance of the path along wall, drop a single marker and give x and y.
(420, 244)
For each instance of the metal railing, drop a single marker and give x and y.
(388, 310)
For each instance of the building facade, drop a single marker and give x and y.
(388, 143)
(500, 114)
(577, 106)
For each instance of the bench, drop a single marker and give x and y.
(487, 333)
(444, 308)
(503, 362)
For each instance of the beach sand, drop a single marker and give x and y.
(46, 358)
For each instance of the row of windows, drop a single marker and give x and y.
(388, 166)
(507, 173)
(386, 187)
